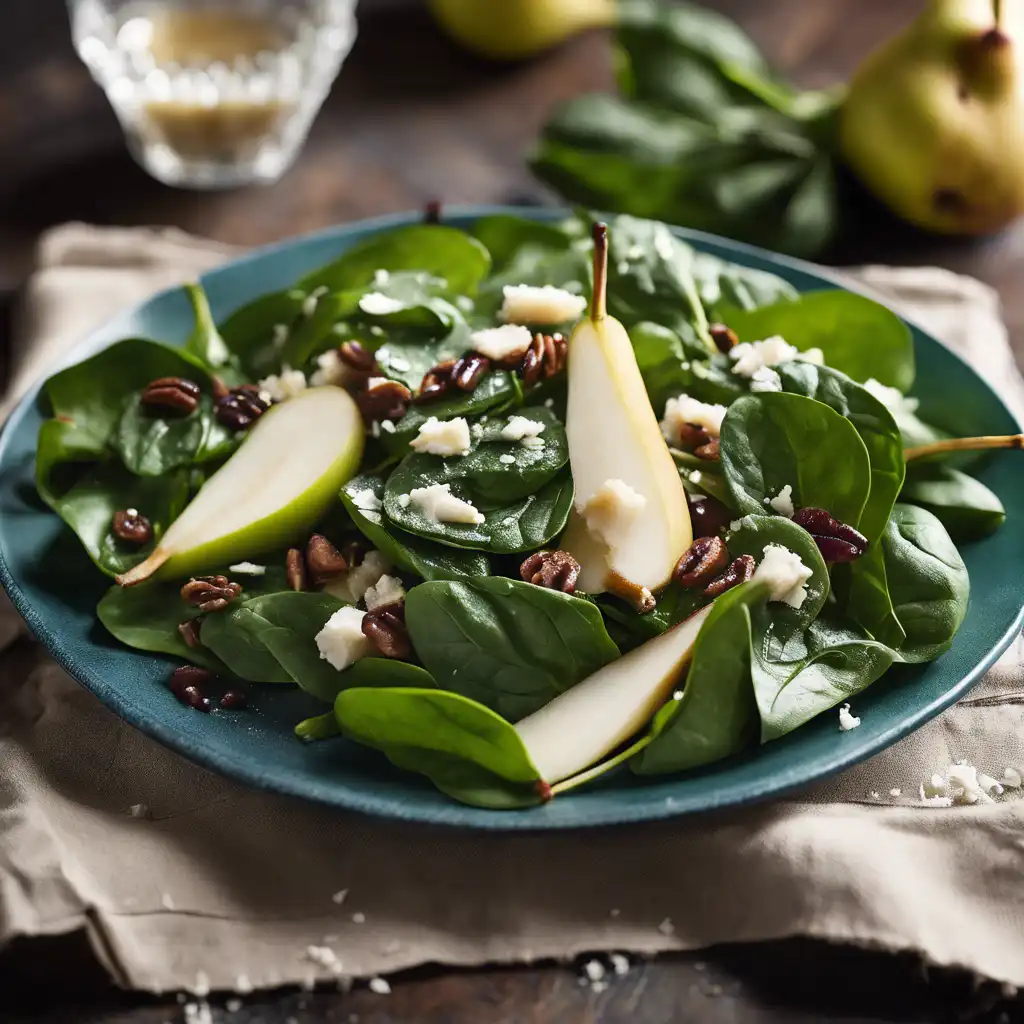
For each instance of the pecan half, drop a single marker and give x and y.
(710, 452)
(240, 407)
(708, 515)
(701, 562)
(220, 389)
(836, 541)
(295, 570)
(545, 357)
(356, 357)
(724, 337)
(693, 435)
(740, 570)
(436, 382)
(385, 628)
(210, 593)
(132, 526)
(186, 684)
(555, 570)
(387, 400)
(323, 560)
(171, 395)
(467, 371)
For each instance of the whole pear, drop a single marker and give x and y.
(515, 29)
(934, 120)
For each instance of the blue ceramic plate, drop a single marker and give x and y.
(55, 587)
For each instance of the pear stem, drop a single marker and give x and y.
(599, 301)
(142, 572)
(997, 12)
(964, 444)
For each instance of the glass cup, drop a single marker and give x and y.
(214, 93)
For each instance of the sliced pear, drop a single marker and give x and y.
(586, 723)
(279, 482)
(614, 439)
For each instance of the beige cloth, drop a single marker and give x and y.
(224, 885)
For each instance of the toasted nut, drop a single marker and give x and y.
(210, 593)
(468, 370)
(710, 452)
(388, 400)
(835, 550)
(741, 570)
(323, 560)
(356, 357)
(821, 525)
(708, 515)
(171, 395)
(354, 551)
(234, 700)
(724, 337)
(186, 683)
(545, 357)
(295, 570)
(702, 562)
(436, 382)
(555, 570)
(693, 435)
(240, 407)
(385, 628)
(132, 526)
(189, 631)
(220, 389)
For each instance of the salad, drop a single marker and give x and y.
(523, 504)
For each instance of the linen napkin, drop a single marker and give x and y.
(185, 880)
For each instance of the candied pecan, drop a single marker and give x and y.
(708, 515)
(240, 407)
(387, 400)
(723, 337)
(701, 562)
(189, 630)
(740, 570)
(468, 370)
(836, 541)
(710, 452)
(171, 395)
(220, 389)
(693, 435)
(555, 570)
(186, 684)
(132, 526)
(436, 382)
(323, 560)
(210, 593)
(545, 357)
(385, 628)
(356, 357)
(234, 700)
(295, 570)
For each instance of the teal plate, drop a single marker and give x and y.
(55, 587)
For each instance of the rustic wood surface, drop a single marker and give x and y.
(410, 119)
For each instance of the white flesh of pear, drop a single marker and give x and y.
(613, 434)
(584, 724)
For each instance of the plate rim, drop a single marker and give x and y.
(220, 759)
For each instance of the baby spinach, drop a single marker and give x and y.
(510, 645)
(660, 357)
(234, 636)
(413, 554)
(464, 748)
(205, 342)
(965, 506)
(251, 332)
(504, 236)
(777, 439)
(675, 603)
(858, 336)
(726, 286)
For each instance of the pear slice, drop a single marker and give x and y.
(279, 482)
(614, 439)
(584, 724)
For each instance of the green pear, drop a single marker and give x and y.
(514, 29)
(630, 522)
(275, 487)
(585, 724)
(934, 120)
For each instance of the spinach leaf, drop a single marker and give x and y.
(319, 727)
(413, 554)
(234, 636)
(256, 332)
(465, 749)
(507, 644)
(205, 342)
(503, 236)
(715, 715)
(964, 506)
(674, 605)
(314, 331)
(522, 525)
(858, 336)
(435, 249)
(777, 439)
(725, 286)
(535, 263)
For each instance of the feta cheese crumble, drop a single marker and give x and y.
(594, 970)
(501, 343)
(507, 460)
(1011, 778)
(378, 304)
(765, 379)
(248, 568)
(380, 986)
(529, 304)
(684, 409)
(365, 500)
(520, 428)
(611, 510)
(848, 720)
(353, 585)
(783, 502)
(341, 641)
(750, 356)
(442, 437)
(331, 370)
(438, 503)
(785, 575)
(387, 590)
(287, 384)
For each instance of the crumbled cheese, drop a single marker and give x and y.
(339, 896)
(359, 917)
(380, 986)
(620, 963)
(594, 970)
(233, 1005)
(667, 927)
(280, 336)
(387, 590)
(284, 386)
(198, 1013)
(201, 987)
(508, 460)
(736, 524)
(309, 303)
(847, 720)
(965, 784)
(138, 810)
(341, 641)
(381, 278)
(243, 984)
(387, 426)
(783, 502)
(696, 477)
(935, 801)
(376, 304)
(895, 791)
(501, 343)
(1011, 778)
(400, 365)
(248, 568)
(529, 304)
(785, 574)
(874, 794)
(331, 369)
(443, 437)
(533, 443)
(365, 500)
(438, 503)
(750, 356)
(519, 428)
(549, 403)
(764, 380)
(403, 500)
(936, 786)
(324, 956)
(683, 410)
(354, 584)
(891, 398)
(610, 511)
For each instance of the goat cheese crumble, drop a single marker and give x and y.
(387, 590)
(501, 343)
(684, 409)
(751, 356)
(331, 370)
(611, 510)
(438, 503)
(365, 500)
(443, 437)
(248, 568)
(848, 721)
(353, 584)
(520, 428)
(783, 502)
(529, 304)
(785, 574)
(378, 304)
(287, 384)
(341, 641)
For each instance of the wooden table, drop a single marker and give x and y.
(411, 119)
